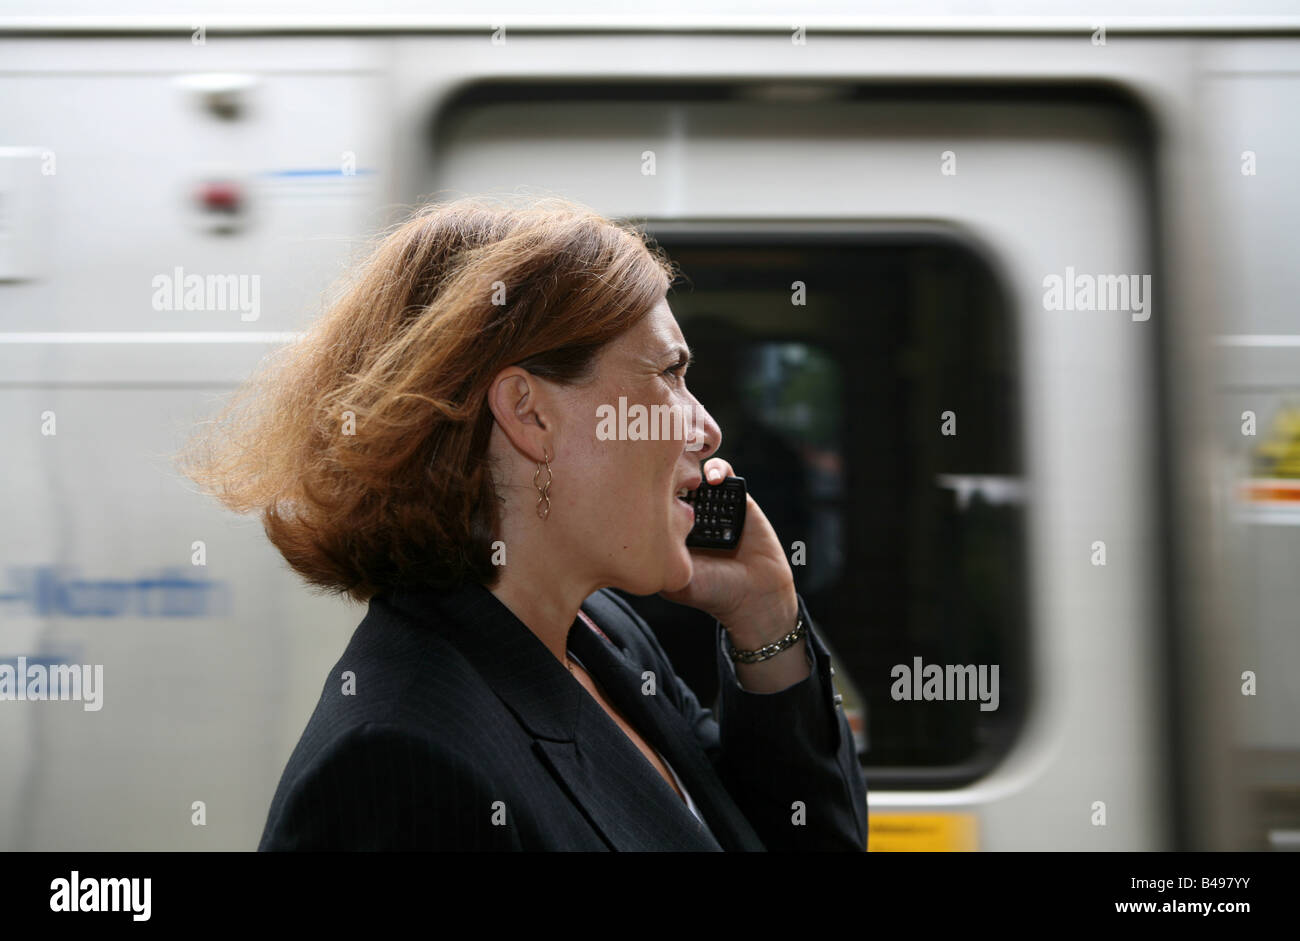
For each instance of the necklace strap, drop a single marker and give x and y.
(592, 624)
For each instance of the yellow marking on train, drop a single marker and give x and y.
(1278, 455)
(922, 833)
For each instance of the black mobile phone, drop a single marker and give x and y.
(719, 514)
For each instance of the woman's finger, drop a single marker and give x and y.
(715, 469)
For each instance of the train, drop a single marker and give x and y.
(996, 315)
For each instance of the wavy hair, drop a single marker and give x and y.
(364, 444)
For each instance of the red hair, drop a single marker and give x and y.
(364, 445)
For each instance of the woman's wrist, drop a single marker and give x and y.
(753, 627)
(764, 621)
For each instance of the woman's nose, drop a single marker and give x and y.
(707, 434)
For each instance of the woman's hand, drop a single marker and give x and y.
(749, 589)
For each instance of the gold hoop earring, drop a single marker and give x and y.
(543, 491)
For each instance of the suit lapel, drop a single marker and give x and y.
(622, 796)
(662, 725)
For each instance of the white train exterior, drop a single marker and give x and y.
(257, 156)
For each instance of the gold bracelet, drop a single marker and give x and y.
(767, 650)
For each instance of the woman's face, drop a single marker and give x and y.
(616, 478)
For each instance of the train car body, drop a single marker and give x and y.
(996, 300)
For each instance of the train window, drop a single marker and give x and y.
(865, 384)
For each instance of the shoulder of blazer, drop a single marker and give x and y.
(393, 674)
(403, 669)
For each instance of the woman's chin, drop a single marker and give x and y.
(680, 576)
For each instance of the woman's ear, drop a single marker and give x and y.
(519, 403)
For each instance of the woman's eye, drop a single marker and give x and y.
(675, 370)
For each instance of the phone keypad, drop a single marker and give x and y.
(719, 514)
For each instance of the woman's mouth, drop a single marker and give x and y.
(681, 501)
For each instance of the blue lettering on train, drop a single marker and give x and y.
(56, 591)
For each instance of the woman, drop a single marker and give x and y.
(434, 447)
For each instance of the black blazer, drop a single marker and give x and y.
(447, 725)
